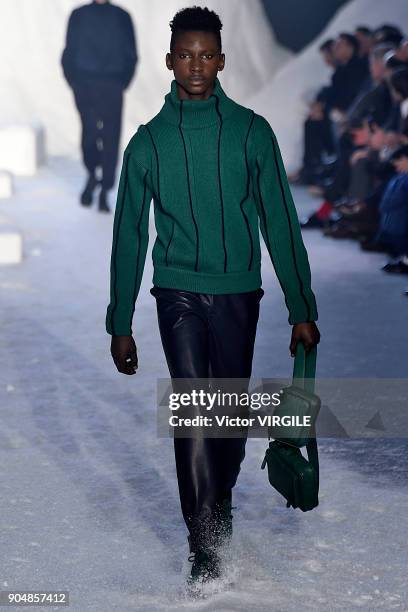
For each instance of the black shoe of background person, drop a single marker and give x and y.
(373, 246)
(398, 266)
(312, 222)
(103, 201)
(87, 194)
(343, 231)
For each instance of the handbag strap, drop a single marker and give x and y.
(313, 454)
(304, 372)
(304, 368)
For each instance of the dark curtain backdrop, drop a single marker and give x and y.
(297, 22)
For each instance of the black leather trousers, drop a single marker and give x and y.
(206, 335)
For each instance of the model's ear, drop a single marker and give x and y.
(221, 63)
(169, 63)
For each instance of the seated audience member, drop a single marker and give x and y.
(365, 39)
(392, 234)
(317, 136)
(370, 112)
(387, 152)
(365, 168)
(374, 106)
(331, 106)
(376, 102)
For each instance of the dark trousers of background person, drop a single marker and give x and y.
(100, 108)
(318, 139)
(205, 335)
(340, 183)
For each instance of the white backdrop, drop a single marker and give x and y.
(32, 36)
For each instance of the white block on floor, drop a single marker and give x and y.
(6, 184)
(11, 246)
(22, 148)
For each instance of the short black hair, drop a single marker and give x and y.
(364, 30)
(389, 33)
(195, 18)
(327, 45)
(351, 40)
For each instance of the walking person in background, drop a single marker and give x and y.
(99, 61)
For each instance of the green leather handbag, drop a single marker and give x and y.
(295, 477)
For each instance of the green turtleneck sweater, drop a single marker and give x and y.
(214, 171)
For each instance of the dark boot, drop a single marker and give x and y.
(103, 201)
(223, 519)
(206, 566)
(87, 194)
(203, 542)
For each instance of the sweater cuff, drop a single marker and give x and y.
(297, 317)
(117, 328)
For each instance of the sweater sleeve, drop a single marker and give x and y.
(130, 237)
(280, 226)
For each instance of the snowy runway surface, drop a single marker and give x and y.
(88, 491)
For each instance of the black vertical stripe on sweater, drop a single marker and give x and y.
(188, 126)
(301, 288)
(217, 102)
(158, 191)
(189, 187)
(116, 242)
(168, 244)
(268, 242)
(247, 194)
(138, 246)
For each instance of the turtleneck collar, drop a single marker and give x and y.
(197, 113)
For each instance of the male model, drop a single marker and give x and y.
(99, 61)
(214, 170)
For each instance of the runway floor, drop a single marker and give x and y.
(89, 500)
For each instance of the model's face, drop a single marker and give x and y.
(195, 61)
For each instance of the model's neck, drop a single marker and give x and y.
(183, 94)
(197, 113)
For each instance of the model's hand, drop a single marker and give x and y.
(124, 354)
(307, 333)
